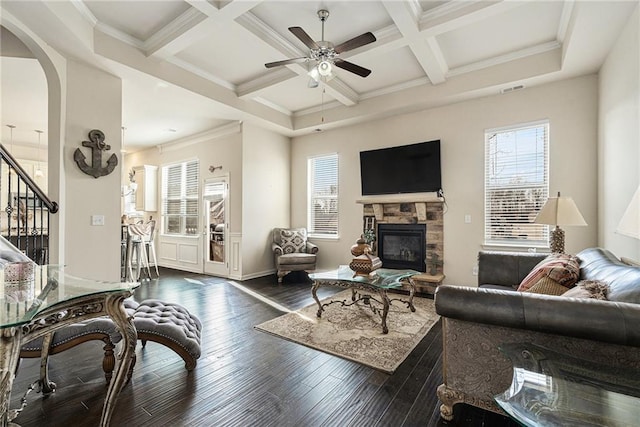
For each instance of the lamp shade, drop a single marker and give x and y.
(630, 223)
(560, 211)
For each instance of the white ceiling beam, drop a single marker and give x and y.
(193, 25)
(272, 77)
(404, 15)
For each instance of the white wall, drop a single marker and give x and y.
(571, 108)
(94, 101)
(265, 196)
(619, 138)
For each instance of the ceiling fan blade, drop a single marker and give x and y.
(350, 66)
(355, 42)
(285, 62)
(304, 37)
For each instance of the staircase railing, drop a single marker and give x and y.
(24, 210)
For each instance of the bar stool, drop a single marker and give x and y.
(136, 236)
(150, 247)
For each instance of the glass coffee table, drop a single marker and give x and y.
(553, 389)
(365, 289)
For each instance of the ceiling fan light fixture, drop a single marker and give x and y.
(325, 68)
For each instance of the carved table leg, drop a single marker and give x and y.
(314, 289)
(46, 385)
(412, 291)
(115, 309)
(10, 340)
(385, 309)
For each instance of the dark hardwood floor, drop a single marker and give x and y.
(244, 377)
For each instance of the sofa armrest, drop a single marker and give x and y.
(591, 319)
(311, 248)
(277, 249)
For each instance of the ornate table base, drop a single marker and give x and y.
(366, 298)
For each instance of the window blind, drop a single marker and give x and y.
(323, 195)
(516, 184)
(180, 202)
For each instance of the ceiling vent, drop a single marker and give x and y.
(511, 89)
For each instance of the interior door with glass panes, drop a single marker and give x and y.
(216, 227)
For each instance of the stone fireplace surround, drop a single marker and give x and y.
(416, 208)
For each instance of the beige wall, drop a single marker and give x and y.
(93, 101)
(571, 108)
(619, 138)
(265, 196)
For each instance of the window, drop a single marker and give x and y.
(323, 196)
(516, 184)
(180, 198)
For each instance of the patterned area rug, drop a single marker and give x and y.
(355, 333)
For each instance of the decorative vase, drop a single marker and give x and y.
(360, 247)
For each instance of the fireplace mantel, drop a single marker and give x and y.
(419, 199)
(400, 198)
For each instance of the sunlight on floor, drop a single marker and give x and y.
(258, 296)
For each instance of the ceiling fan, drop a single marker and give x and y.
(325, 54)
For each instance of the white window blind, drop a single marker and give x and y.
(516, 184)
(180, 198)
(323, 195)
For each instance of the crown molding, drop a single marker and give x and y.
(219, 132)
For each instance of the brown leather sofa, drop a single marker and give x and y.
(477, 321)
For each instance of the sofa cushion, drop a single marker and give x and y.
(292, 241)
(296, 259)
(588, 289)
(547, 286)
(563, 268)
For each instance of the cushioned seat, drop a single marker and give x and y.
(172, 325)
(166, 323)
(292, 251)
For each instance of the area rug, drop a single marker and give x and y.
(355, 332)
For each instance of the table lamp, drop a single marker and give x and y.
(559, 211)
(630, 223)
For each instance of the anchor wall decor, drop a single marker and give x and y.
(97, 145)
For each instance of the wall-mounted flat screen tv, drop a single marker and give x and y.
(413, 168)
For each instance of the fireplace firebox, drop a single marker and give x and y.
(402, 246)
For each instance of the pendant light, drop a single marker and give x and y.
(38, 173)
(11, 127)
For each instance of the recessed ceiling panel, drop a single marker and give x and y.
(528, 25)
(140, 19)
(230, 53)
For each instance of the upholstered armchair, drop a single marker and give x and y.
(292, 251)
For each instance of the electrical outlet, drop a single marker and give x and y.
(467, 219)
(97, 219)
(475, 270)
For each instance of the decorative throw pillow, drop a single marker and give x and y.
(292, 241)
(547, 286)
(595, 289)
(563, 268)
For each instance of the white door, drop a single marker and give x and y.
(216, 253)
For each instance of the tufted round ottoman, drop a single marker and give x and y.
(171, 325)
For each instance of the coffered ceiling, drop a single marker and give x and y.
(193, 65)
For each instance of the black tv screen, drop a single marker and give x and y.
(413, 168)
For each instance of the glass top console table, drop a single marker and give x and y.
(376, 283)
(553, 389)
(46, 299)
